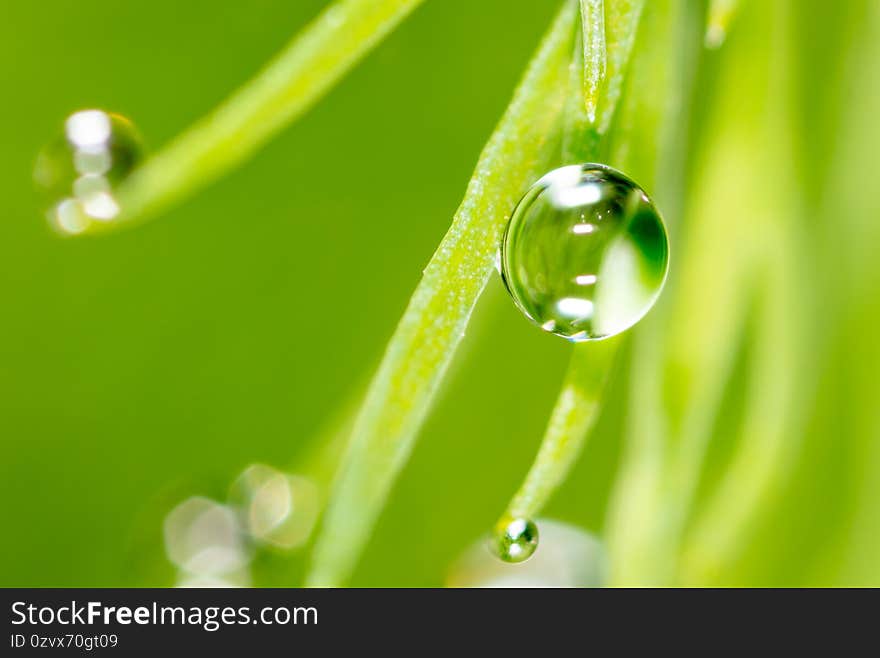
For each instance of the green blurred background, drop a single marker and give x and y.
(141, 368)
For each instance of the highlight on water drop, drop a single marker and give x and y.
(514, 539)
(585, 253)
(79, 170)
(569, 557)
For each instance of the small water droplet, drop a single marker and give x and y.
(79, 170)
(585, 253)
(514, 539)
(569, 557)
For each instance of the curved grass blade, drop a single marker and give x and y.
(573, 416)
(433, 324)
(294, 81)
(649, 140)
(771, 430)
(768, 438)
(580, 398)
(721, 13)
(682, 378)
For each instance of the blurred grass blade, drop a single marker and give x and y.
(573, 416)
(433, 324)
(721, 13)
(294, 81)
(733, 211)
(766, 449)
(321, 458)
(855, 235)
(648, 141)
(771, 432)
(708, 301)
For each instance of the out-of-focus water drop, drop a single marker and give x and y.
(569, 557)
(204, 540)
(79, 170)
(585, 253)
(276, 508)
(514, 540)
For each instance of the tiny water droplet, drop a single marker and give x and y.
(79, 170)
(514, 539)
(585, 253)
(569, 557)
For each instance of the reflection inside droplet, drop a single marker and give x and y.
(514, 539)
(568, 557)
(88, 129)
(80, 170)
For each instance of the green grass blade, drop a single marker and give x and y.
(294, 81)
(573, 416)
(721, 13)
(648, 140)
(621, 24)
(594, 53)
(856, 233)
(580, 398)
(734, 211)
(605, 43)
(708, 301)
(434, 322)
(764, 454)
(580, 139)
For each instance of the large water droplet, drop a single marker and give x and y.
(79, 170)
(585, 253)
(569, 557)
(514, 540)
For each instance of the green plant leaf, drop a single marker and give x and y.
(721, 13)
(580, 399)
(571, 420)
(770, 431)
(296, 79)
(433, 324)
(733, 222)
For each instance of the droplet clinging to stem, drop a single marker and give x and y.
(80, 170)
(585, 253)
(514, 539)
